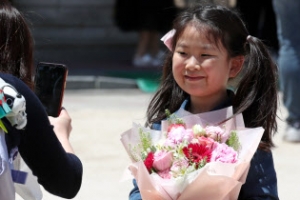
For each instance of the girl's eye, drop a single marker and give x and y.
(181, 53)
(205, 55)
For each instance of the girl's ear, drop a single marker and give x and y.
(236, 65)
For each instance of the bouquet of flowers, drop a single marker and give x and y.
(191, 155)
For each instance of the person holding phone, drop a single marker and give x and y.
(44, 141)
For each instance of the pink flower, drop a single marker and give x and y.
(177, 134)
(225, 154)
(216, 133)
(175, 126)
(188, 135)
(179, 166)
(170, 143)
(162, 160)
(165, 174)
(208, 142)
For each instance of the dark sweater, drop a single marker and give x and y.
(60, 173)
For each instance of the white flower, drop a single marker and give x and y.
(198, 129)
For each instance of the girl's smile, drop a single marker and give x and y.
(193, 77)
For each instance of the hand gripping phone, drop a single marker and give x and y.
(50, 83)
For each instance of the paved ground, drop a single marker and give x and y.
(100, 116)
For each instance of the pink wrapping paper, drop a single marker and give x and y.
(215, 180)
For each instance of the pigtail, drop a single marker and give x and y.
(256, 96)
(168, 96)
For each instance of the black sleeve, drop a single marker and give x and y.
(60, 173)
(261, 182)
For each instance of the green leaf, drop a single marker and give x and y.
(233, 141)
(145, 140)
(173, 119)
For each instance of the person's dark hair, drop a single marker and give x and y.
(256, 92)
(16, 44)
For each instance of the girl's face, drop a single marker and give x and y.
(201, 68)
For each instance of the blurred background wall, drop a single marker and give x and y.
(76, 32)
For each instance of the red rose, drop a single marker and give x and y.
(148, 162)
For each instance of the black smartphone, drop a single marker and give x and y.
(50, 83)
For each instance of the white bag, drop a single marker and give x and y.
(7, 190)
(31, 189)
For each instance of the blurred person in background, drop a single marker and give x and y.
(288, 28)
(150, 19)
(183, 4)
(261, 21)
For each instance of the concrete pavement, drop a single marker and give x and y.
(101, 115)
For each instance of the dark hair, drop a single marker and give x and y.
(256, 92)
(16, 44)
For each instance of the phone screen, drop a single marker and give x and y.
(50, 81)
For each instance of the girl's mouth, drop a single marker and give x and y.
(193, 78)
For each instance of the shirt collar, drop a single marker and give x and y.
(224, 104)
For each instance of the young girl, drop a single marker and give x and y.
(210, 47)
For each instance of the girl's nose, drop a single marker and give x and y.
(192, 64)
